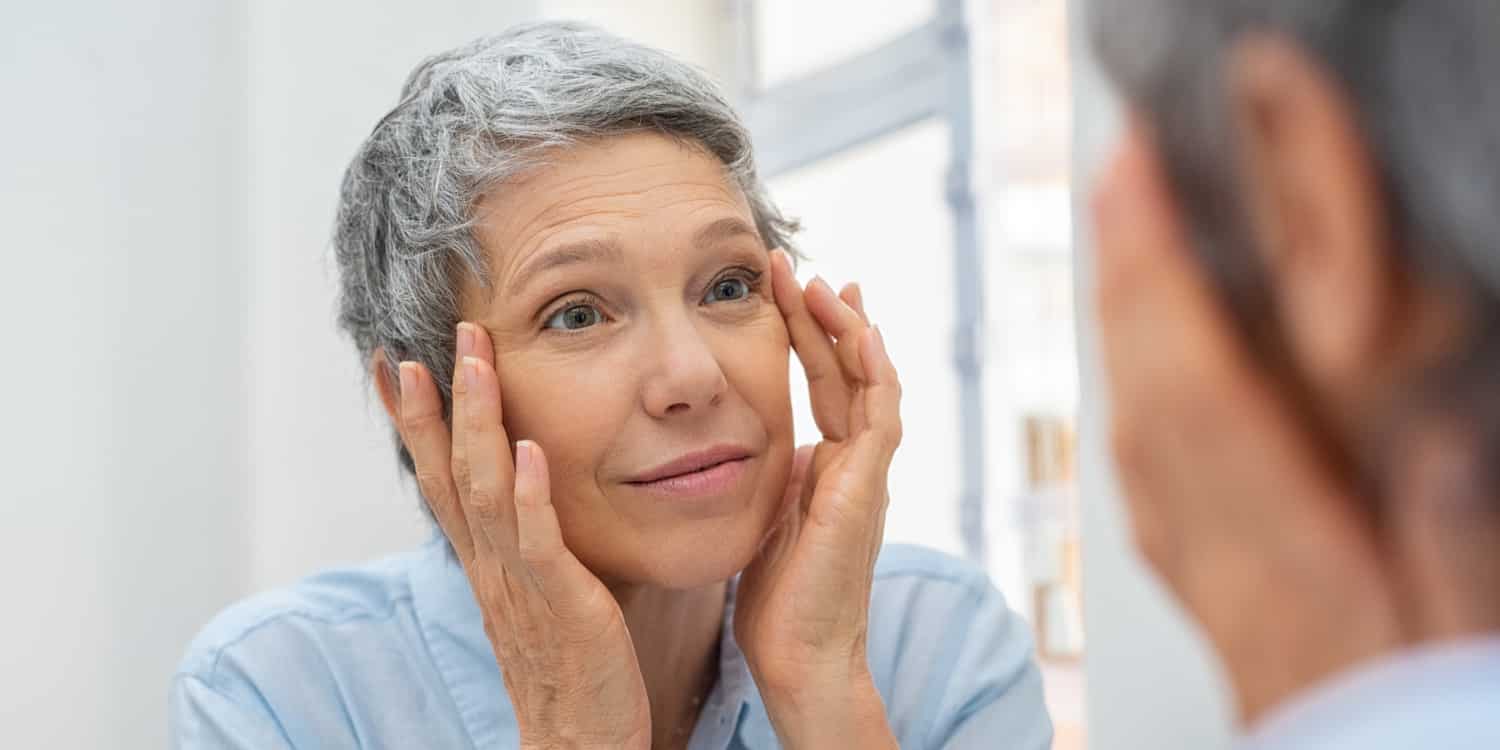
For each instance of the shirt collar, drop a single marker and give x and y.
(454, 632)
(1435, 674)
(734, 703)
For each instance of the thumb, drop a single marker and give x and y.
(552, 567)
(797, 480)
(784, 525)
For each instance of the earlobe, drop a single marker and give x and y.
(387, 383)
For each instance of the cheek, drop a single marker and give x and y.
(754, 359)
(567, 409)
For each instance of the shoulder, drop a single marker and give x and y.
(913, 582)
(267, 626)
(920, 581)
(916, 563)
(925, 604)
(952, 661)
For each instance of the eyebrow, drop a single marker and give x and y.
(723, 229)
(573, 253)
(608, 250)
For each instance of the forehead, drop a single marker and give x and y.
(629, 185)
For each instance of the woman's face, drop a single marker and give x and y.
(638, 343)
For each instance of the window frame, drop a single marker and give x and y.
(923, 74)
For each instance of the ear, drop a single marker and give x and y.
(1317, 213)
(387, 382)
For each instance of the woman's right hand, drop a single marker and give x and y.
(564, 650)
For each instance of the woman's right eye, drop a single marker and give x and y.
(575, 317)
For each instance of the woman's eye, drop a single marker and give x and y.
(575, 317)
(728, 290)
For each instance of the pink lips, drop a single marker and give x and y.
(706, 472)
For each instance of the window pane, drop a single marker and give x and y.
(1031, 377)
(796, 37)
(876, 215)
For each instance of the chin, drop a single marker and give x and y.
(706, 556)
(696, 554)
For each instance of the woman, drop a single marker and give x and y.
(554, 257)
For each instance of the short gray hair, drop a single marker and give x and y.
(468, 120)
(1420, 76)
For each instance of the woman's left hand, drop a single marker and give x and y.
(803, 604)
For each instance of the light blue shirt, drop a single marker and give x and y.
(1444, 697)
(393, 655)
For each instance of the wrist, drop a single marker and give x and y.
(567, 738)
(830, 709)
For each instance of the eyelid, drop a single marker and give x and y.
(749, 275)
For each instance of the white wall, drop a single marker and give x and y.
(1151, 681)
(697, 31)
(184, 425)
(325, 487)
(123, 505)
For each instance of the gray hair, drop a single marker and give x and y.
(468, 120)
(1420, 76)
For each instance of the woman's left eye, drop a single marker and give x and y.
(728, 290)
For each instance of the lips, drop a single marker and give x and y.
(692, 463)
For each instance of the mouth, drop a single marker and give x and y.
(704, 472)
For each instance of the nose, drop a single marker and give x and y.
(685, 376)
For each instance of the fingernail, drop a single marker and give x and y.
(818, 281)
(523, 457)
(465, 339)
(880, 343)
(471, 372)
(408, 371)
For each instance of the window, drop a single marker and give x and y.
(926, 150)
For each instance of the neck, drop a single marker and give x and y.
(676, 637)
(1444, 527)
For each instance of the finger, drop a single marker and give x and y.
(825, 381)
(881, 396)
(427, 438)
(847, 510)
(458, 460)
(481, 346)
(555, 571)
(855, 298)
(489, 503)
(797, 480)
(840, 321)
(783, 532)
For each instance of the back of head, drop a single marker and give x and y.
(1418, 75)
